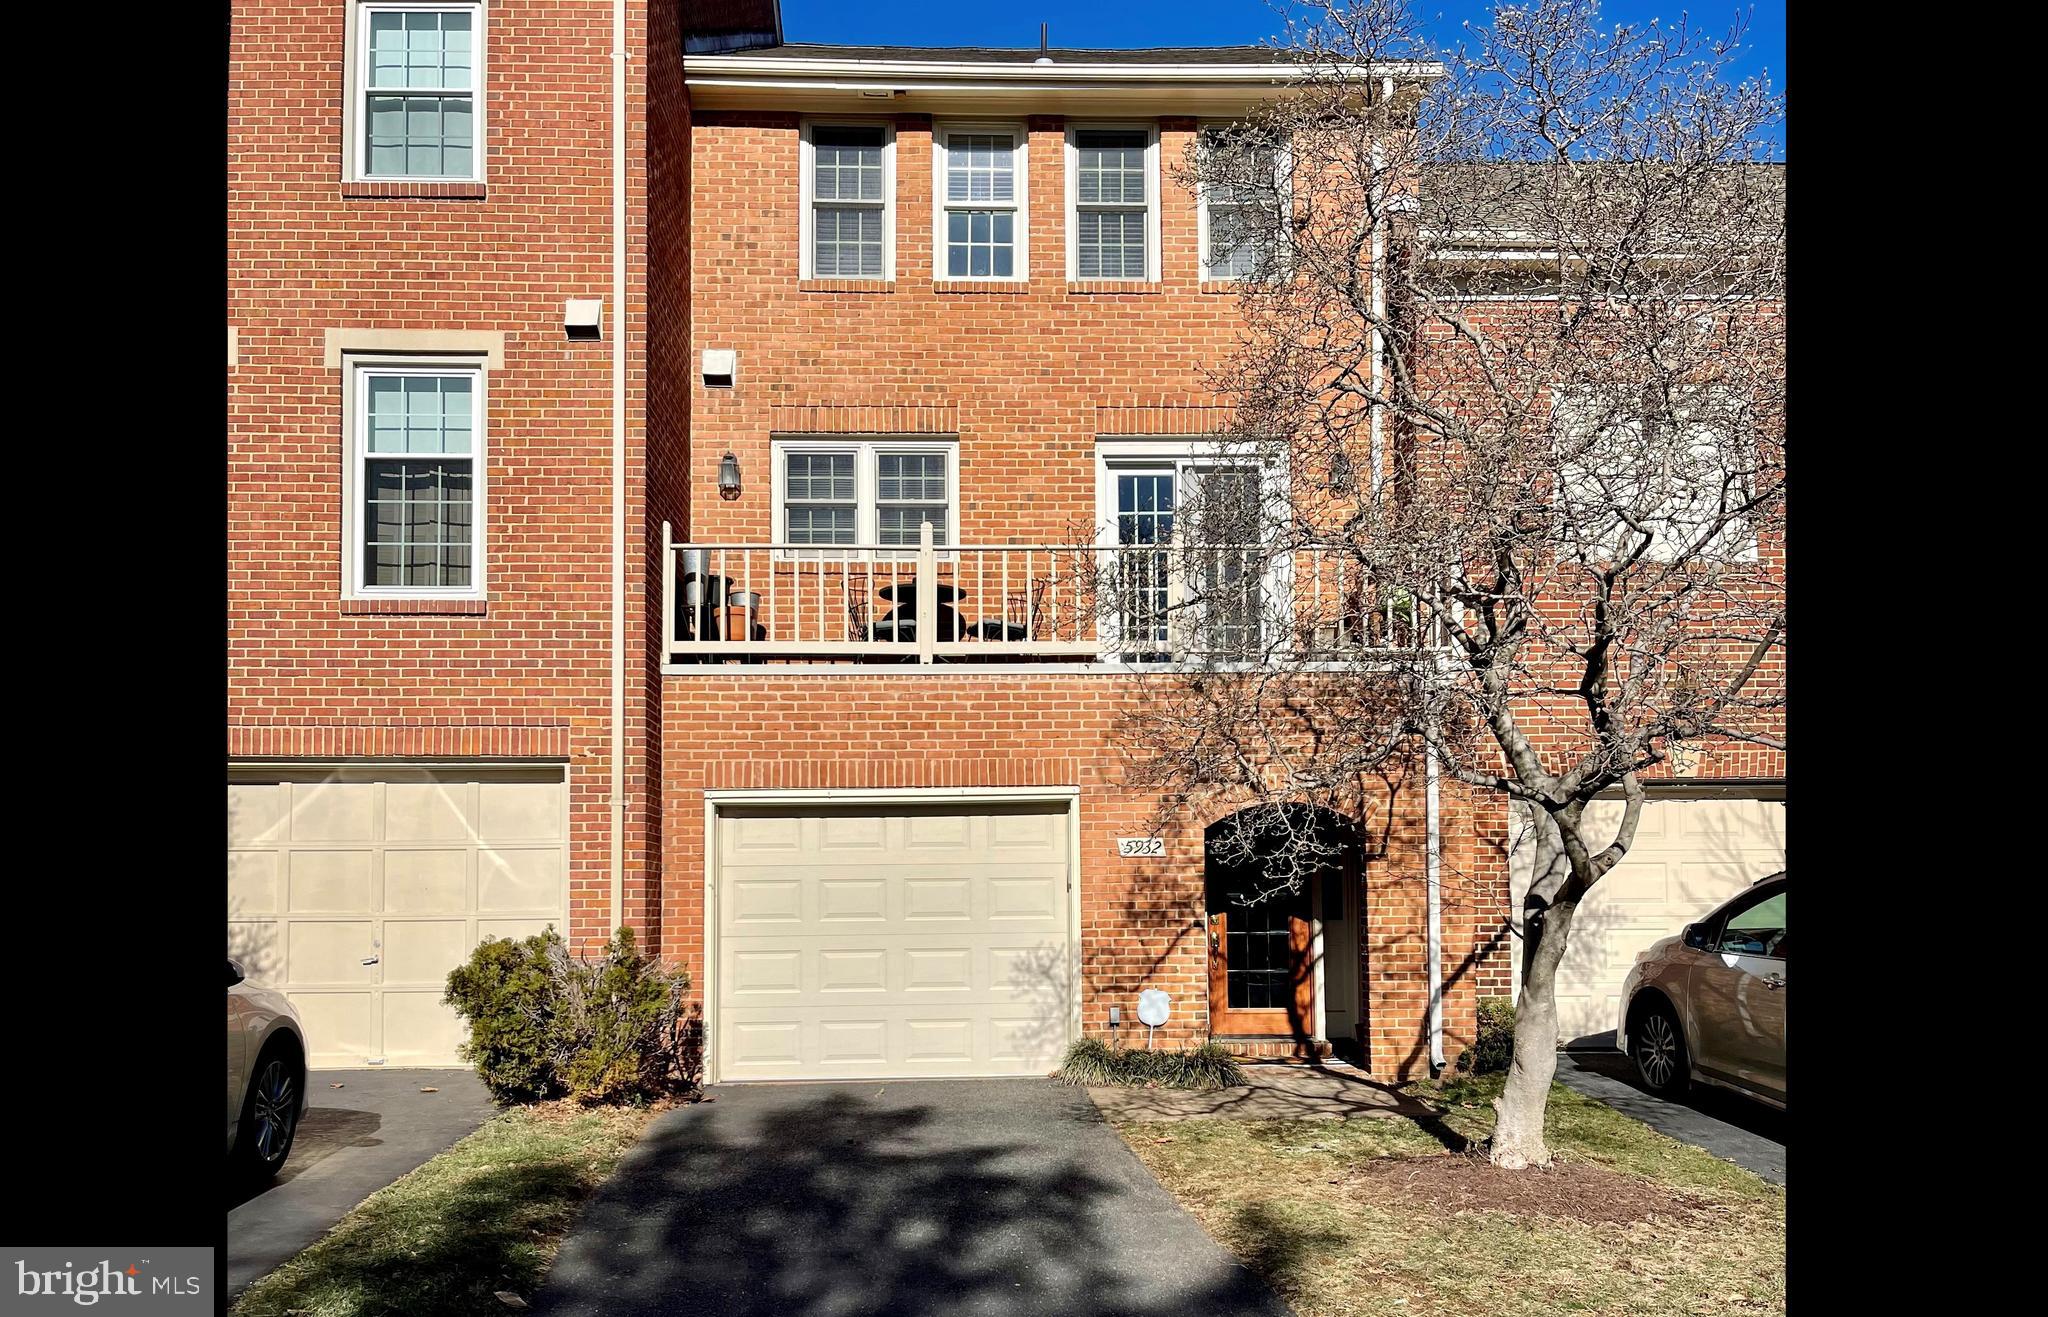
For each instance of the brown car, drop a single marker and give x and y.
(1708, 1005)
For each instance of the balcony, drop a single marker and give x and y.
(1111, 605)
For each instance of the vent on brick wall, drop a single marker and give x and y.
(720, 366)
(583, 318)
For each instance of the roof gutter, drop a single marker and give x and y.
(750, 69)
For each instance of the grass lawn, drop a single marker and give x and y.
(484, 1216)
(1378, 1216)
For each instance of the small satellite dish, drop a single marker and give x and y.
(1152, 1007)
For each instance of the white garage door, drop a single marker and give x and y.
(884, 941)
(1688, 857)
(357, 889)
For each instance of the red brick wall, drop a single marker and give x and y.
(1140, 919)
(303, 668)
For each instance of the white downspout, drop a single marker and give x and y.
(618, 857)
(1432, 776)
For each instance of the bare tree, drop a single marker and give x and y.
(1505, 485)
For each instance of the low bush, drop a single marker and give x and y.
(1494, 1047)
(546, 1024)
(1092, 1061)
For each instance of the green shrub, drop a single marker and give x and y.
(1494, 1047)
(546, 1024)
(1092, 1061)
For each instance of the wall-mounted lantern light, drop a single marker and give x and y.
(728, 476)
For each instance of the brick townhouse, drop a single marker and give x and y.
(663, 460)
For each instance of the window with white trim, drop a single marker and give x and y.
(842, 492)
(980, 202)
(1680, 469)
(417, 74)
(414, 479)
(849, 202)
(1243, 200)
(1113, 203)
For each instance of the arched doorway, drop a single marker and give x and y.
(1283, 961)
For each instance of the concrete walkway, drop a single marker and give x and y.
(1725, 1124)
(913, 1198)
(1331, 1090)
(353, 1141)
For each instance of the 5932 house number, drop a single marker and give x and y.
(1136, 846)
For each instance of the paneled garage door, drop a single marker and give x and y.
(357, 889)
(873, 942)
(1688, 857)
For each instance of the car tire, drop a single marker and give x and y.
(1656, 1044)
(270, 1111)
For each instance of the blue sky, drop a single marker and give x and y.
(1193, 23)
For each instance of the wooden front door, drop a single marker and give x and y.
(1261, 963)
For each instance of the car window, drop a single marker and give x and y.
(1758, 930)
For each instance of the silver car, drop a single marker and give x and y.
(1708, 1005)
(266, 1075)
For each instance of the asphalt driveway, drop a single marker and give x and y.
(353, 1141)
(993, 1197)
(1726, 1124)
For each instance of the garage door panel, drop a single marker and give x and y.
(423, 951)
(333, 811)
(407, 866)
(337, 1026)
(426, 882)
(418, 1029)
(429, 811)
(510, 880)
(255, 882)
(258, 946)
(256, 813)
(866, 943)
(329, 882)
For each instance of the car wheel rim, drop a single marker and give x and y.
(274, 1110)
(1657, 1053)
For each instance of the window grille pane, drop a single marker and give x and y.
(421, 49)
(981, 243)
(421, 136)
(980, 167)
(821, 523)
(417, 522)
(848, 163)
(420, 413)
(820, 476)
(1111, 244)
(905, 476)
(899, 524)
(849, 243)
(1111, 167)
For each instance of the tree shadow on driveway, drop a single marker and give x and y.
(964, 1196)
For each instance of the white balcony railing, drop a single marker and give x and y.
(1021, 603)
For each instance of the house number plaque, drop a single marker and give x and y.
(1135, 846)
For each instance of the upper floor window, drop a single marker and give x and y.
(1113, 203)
(865, 491)
(414, 479)
(980, 202)
(1677, 465)
(849, 187)
(416, 101)
(1243, 195)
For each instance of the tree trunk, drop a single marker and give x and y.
(1517, 1142)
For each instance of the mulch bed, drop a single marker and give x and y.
(1573, 1190)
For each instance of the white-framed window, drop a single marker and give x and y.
(413, 478)
(866, 490)
(1113, 201)
(1152, 496)
(1629, 463)
(1244, 205)
(415, 104)
(980, 211)
(849, 200)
